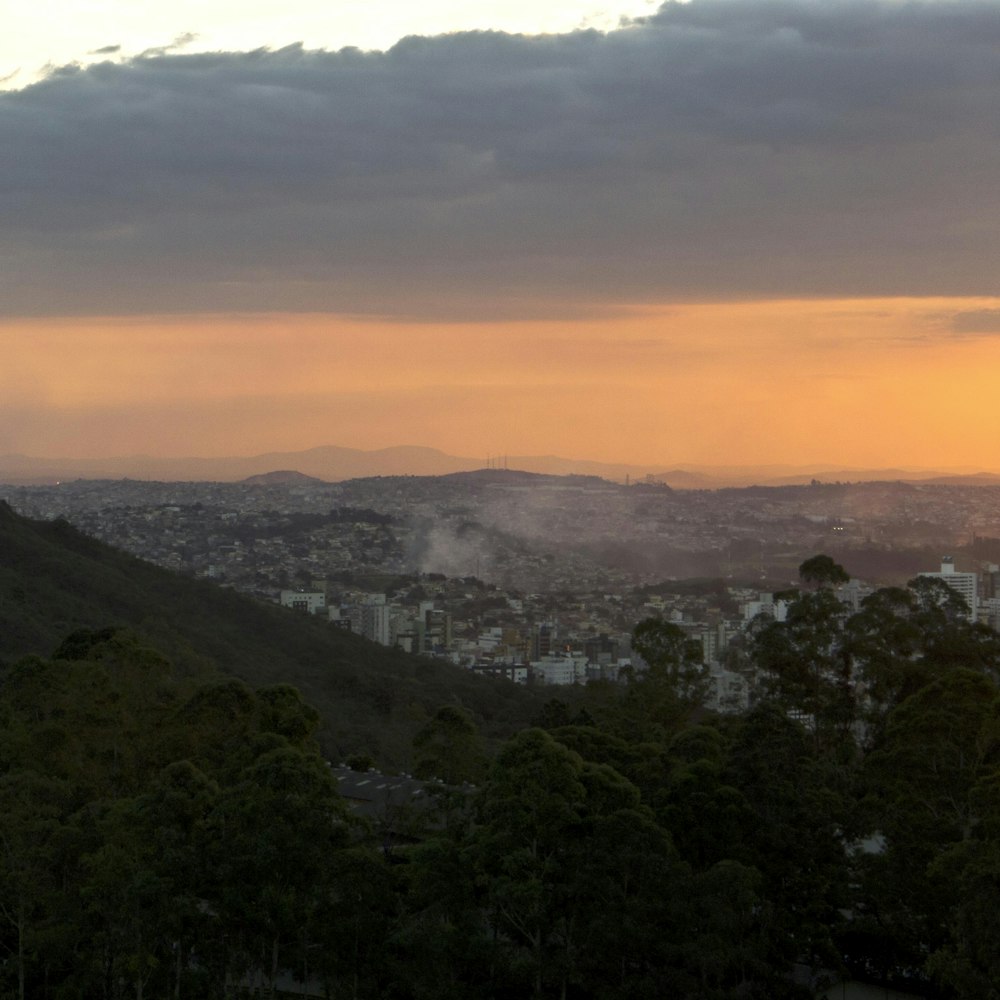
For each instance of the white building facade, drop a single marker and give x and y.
(966, 585)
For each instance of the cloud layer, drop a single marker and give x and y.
(719, 149)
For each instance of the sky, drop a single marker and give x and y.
(717, 232)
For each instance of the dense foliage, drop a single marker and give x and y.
(169, 831)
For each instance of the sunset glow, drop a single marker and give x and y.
(869, 382)
(711, 232)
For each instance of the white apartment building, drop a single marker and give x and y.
(375, 622)
(555, 669)
(964, 584)
(765, 604)
(312, 602)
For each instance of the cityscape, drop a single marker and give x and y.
(541, 578)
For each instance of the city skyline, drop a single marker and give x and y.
(726, 232)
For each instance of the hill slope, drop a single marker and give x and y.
(54, 579)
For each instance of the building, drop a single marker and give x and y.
(714, 641)
(565, 669)
(375, 623)
(311, 602)
(964, 584)
(989, 612)
(542, 639)
(765, 604)
(852, 593)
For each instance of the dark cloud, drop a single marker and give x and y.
(180, 41)
(721, 148)
(106, 50)
(977, 321)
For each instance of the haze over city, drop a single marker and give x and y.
(716, 232)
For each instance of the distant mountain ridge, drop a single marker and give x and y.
(332, 463)
(286, 477)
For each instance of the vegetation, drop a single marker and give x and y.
(54, 580)
(171, 831)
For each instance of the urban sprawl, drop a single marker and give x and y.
(541, 579)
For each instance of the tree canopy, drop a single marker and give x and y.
(168, 831)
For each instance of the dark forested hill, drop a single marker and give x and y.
(54, 580)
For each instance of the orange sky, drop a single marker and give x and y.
(871, 382)
(723, 233)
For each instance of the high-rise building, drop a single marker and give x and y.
(375, 623)
(964, 584)
(542, 639)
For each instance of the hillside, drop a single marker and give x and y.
(54, 579)
(331, 463)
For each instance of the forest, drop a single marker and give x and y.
(176, 833)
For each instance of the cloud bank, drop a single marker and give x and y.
(977, 321)
(720, 149)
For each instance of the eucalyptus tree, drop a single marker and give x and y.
(804, 665)
(274, 833)
(821, 571)
(933, 800)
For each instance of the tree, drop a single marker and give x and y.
(127, 899)
(275, 832)
(628, 886)
(804, 666)
(346, 941)
(799, 808)
(822, 572)
(450, 748)
(529, 812)
(157, 838)
(884, 643)
(937, 601)
(969, 961)
(706, 815)
(32, 808)
(443, 945)
(283, 710)
(725, 953)
(932, 787)
(175, 814)
(673, 659)
(901, 640)
(940, 743)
